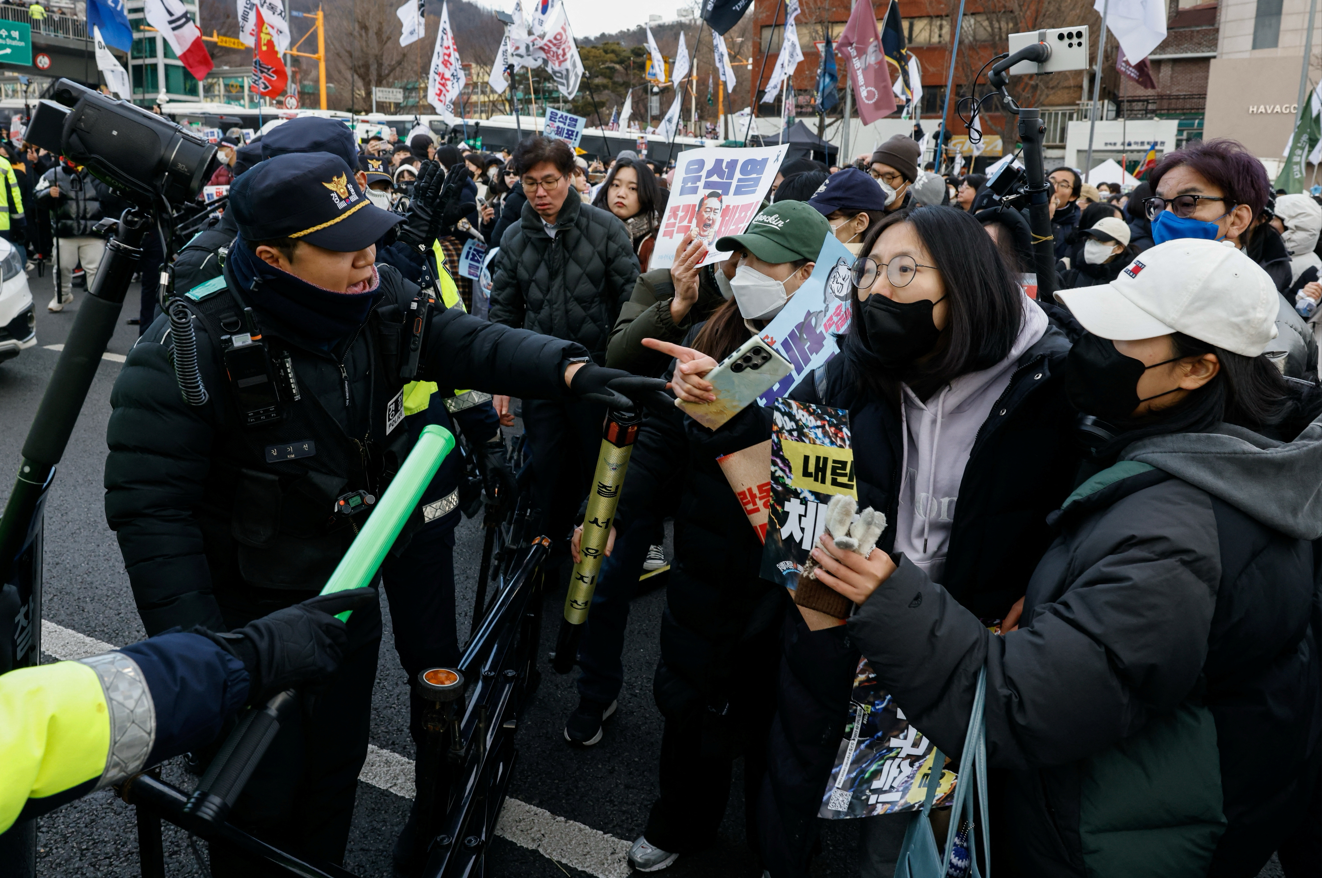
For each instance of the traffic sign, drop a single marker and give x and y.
(16, 43)
(229, 42)
(291, 102)
(43, 61)
(388, 95)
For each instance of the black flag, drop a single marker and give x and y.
(724, 14)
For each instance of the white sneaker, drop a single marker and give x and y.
(656, 559)
(646, 858)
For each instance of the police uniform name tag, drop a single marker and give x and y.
(291, 451)
(394, 412)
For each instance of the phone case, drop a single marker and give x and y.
(739, 380)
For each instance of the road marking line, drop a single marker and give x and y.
(114, 358)
(574, 844)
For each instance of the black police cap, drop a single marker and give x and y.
(308, 197)
(311, 134)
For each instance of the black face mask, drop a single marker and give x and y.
(1101, 381)
(898, 333)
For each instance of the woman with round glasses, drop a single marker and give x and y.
(1216, 190)
(961, 436)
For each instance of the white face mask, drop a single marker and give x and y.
(759, 297)
(379, 198)
(1294, 242)
(1096, 252)
(891, 194)
(835, 227)
(723, 283)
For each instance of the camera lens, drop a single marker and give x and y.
(737, 367)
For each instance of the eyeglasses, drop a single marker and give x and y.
(1063, 184)
(1184, 206)
(545, 185)
(899, 271)
(891, 178)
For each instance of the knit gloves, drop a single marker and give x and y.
(853, 534)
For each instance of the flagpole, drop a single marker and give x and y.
(950, 86)
(752, 104)
(849, 108)
(1097, 84)
(670, 150)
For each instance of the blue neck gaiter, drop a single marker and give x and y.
(311, 310)
(1168, 227)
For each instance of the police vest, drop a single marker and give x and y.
(278, 501)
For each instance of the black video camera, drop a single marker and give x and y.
(140, 154)
(1008, 185)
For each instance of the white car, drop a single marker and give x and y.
(18, 323)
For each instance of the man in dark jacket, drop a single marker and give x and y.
(1065, 187)
(229, 509)
(79, 201)
(565, 270)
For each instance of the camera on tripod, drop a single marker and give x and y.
(142, 155)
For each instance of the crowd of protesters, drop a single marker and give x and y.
(1133, 469)
(1107, 502)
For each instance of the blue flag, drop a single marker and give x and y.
(827, 80)
(109, 15)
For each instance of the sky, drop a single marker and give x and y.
(588, 18)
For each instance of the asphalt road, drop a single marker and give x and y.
(608, 788)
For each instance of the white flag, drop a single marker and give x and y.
(524, 50)
(497, 79)
(916, 84)
(557, 47)
(541, 17)
(171, 18)
(976, 126)
(273, 13)
(666, 130)
(723, 65)
(628, 108)
(115, 75)
(1139, 25)
(446, 79)
(681, 63)
(658, 62)
(413, 22)
(787, 61)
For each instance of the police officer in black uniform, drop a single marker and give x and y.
(224, 511)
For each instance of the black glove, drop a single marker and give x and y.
(614, 387)
(293, 646)
(418, 228)
(452, 209)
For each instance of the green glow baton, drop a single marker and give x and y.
(369, 548)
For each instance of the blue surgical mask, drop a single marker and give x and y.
(1168, 227)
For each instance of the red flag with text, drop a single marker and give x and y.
(1140, 72)
(269, 76)
(860, 48)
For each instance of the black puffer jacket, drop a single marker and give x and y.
(191, 507)
(716, 603)
(1170, 630)
(647, 315)
(200, 260)
(997, 537)
(571, 286)
(82, 203)
(1063, 224)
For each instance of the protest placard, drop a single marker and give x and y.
(564, 126)
(717, 189)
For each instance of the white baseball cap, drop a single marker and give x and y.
(1109, 228)
(1205, 289)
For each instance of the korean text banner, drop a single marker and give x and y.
(718, 189)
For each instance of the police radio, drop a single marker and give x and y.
(251, 376)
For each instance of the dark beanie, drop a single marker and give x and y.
(901, 152)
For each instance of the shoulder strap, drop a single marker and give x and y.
(819, 383)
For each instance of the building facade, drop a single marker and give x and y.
(154, 69)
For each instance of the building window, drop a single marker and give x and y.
(1057, 124)
(926, 30)
(144, 79)
(1267, 24)
(178, 81)
(933, 99)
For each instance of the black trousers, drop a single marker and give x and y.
(564, 437)
(301, 796)
(698, 748)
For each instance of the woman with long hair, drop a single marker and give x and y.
(1172, 623)
(961, 437)
(630, 192)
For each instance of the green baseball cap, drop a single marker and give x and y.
(783, 232)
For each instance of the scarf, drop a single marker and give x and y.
(640, 225)
(318, 313)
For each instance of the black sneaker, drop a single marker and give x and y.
(584, 727)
